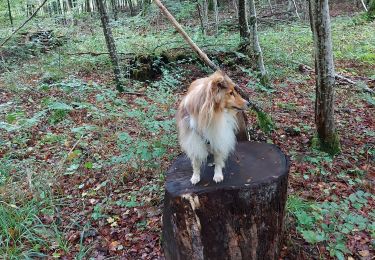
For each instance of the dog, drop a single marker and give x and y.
(207, 123)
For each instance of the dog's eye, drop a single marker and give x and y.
(231, 93)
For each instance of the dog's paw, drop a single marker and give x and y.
(195, 179)
(218, 178)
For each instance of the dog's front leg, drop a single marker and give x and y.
(196, 163)
(219, 165)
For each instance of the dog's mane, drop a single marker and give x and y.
(203, 100)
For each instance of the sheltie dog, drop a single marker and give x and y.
(207, 124)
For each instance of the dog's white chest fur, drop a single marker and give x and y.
(220, 135)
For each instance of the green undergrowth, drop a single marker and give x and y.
(61, 123)
(138, 140)
(331, 222)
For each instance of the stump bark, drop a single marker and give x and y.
(240, 218)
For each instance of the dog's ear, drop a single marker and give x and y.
(218, 80)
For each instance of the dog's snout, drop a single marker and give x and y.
(247, 103)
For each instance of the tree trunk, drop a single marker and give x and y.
(205, 15)
(110, 44)
(240, 218)
(235, 6)
(242, 20)
(88, 7)
(114, 9)
(270, 5)
(10, 14)
(131, 7)
(257, 51)
(216, 11)
(201, 18)
(371, 8)
(325, 76)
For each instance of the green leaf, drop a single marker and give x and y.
(125, 137)
(8, 127)
(59, 106)
(83, 129)
(313, 237)
(88, 165)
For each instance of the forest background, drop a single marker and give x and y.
(82, 165)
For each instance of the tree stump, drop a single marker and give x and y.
(240, 218)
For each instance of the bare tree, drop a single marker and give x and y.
(371, 8)
(110, 44)
(243, 24)
(205, 15)
(257, 50)
(10, 14)
(325, 76)
(235, 6)
(216, 11)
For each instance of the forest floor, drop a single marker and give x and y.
(82, 166)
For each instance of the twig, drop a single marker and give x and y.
(66, 157)
(10, 205)
(23, 24)
(364, 6)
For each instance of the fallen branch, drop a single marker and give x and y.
(305, 68)
(23, 24)
(96, 53)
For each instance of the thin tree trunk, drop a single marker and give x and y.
(114, 9)
(235, 6)
(257, 50)
(88, 7)
(325, 76)
(216, 11)
(10, 14)
(131, 7)
(59, 7)
(371, 8)
(205, 15)
(270, 5)
(242, 20)
(201, 18)
(110, 44)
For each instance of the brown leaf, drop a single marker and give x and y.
(364, 253)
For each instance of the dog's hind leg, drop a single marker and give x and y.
(219, 165)
(196, 163)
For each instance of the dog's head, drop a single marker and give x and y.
(209, 97)
(224, 94)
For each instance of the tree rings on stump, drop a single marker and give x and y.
(240, 218)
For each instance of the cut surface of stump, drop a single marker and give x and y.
(239, 218)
